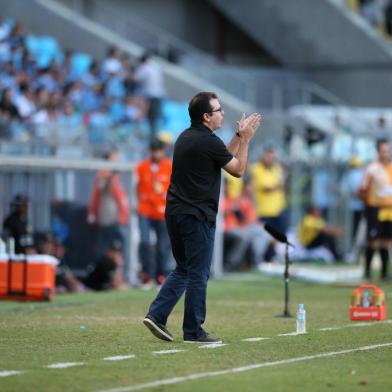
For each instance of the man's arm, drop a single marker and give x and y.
(234, 144)
(92, 208)
(365, 184)
(237, 166)
(246, 129)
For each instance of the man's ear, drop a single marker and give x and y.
(206, 117)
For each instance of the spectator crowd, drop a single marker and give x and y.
(53, 98)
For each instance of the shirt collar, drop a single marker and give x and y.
(201, 127)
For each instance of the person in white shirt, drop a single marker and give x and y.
(149, 79)
(24, 102)
(112, 63)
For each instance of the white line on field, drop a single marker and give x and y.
(64, 365)
(7, 373)
(197, 376)
(353, 325)
(167, 351)
(213, 345)
(254, 339)
(119, 357)
(357, 325)
(366, 324)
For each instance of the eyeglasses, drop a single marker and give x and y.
(217, 110)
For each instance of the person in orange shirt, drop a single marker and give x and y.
(245, 237)
(153, 181)
(108, 207)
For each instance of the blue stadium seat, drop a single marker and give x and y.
(99, 128)
(175, 117)
(32, 44)
(80, 64)
(44, 49)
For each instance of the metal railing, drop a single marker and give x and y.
(47, 179)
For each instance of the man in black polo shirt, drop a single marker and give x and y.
(192, 205)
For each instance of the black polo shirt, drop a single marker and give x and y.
(194, 187)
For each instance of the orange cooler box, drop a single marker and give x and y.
(27, 278)
(376, 310)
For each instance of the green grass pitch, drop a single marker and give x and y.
(91, 326)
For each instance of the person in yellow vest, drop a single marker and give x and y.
(269, 194)
(376, 190)
(313, 231)
(233, 185)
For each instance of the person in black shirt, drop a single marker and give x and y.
(107, 273)
(191, 208)
(16, 223)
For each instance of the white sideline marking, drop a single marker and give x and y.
(291, 334)
(64, 365)
(254, 339)
(6, 373)
(353, 325)
(213, 345)
(197, 376)
(167, 351)
(119, 357)
(356, 325)
(366, 324)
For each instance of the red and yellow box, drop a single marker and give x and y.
(27, 278)
(376, 310)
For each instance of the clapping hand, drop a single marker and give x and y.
(247, 126)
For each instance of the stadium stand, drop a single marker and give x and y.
(65, 103)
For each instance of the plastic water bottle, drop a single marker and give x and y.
(365, 300)
(2, 247)
(301, 319)
(10, 246)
